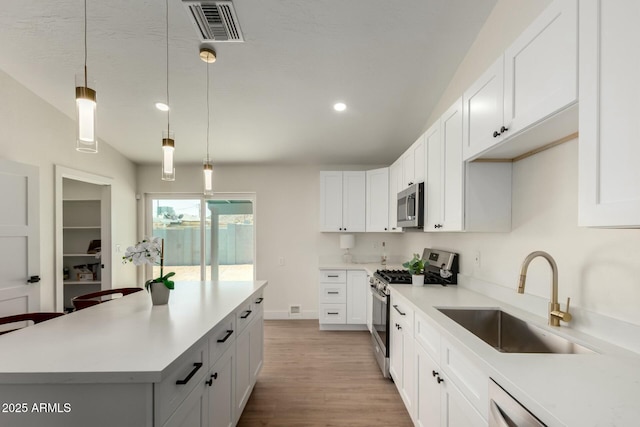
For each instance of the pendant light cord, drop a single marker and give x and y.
(85, 44)
(208, 111)
(167, 36)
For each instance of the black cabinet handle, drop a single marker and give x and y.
(440, 380)
(259, 300)
(33, 279)
(434, 373)
(246, 315)
(496, 134)
(411, 183)
(333, 275)
(214, 376)
(196, 367)
(209, 382)
(333, 292)
(398, 310)
(226, 337)
(332, 312)
(503, 129)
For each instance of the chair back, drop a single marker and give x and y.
(94, 298)
(37, 317)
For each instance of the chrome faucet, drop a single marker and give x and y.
(555, 314)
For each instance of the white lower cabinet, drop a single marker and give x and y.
(440, 385)
(402, 352)
(224, 373)
(343, 299)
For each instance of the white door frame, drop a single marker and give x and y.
(106, 213)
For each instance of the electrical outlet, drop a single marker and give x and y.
(281, 261)
(476, 259)
(118, 248)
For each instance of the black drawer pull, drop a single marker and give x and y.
(244, 316)
(333, 292)
(398, 310)
(333, 312)
(259, 300)
(226, 337)
(335, 276)
(196, 367)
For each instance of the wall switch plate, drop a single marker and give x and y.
(281, 261)
(476, 259)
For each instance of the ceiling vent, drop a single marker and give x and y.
(215, 21)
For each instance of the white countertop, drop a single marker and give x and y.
(601, 389)
(125, 340)
(369, 267)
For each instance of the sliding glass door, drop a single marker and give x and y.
(211, 239)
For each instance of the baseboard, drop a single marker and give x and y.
(285, 315)
(341, 327)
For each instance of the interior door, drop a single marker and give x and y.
(19, 238)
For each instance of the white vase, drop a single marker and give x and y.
(417, 280)
(159, 293)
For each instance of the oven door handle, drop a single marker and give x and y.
(398, 310)
(378, 296)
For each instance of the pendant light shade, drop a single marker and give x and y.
(208, 55)
(86, 140)
(168, 169)
(208, 177)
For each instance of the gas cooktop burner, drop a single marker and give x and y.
(403, 277)
(442, 269)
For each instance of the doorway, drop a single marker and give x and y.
(204, 239)
(83, 235)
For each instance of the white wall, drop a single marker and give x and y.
(598, 268)
(35, 133)
(287, 222)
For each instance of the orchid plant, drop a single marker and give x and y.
(149, 251)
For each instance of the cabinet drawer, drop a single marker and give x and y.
(466, 375)
(221, 338)
(333, 293)
(427, 336)
(403, 313)
(333, 313)
(333, 276)
(182, 376)
(258, 304)
(244, 315)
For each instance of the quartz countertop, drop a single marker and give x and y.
(599, 389)
(122, 341)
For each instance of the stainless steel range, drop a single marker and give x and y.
(442, 270)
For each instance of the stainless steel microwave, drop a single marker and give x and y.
(411, 206)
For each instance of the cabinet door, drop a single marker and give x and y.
(193, 411)
(395, 186)
(395, 350)
(357, 290)
(256, 350)
(455, 410)
(419, 160)
(331, 201)
(221, 391)
(453, 169)
(353, 201)
(369, 298)
(377, 200)
(541, 67)
(433, 184)
(243, 371)
(408, 168)
(609, 109)
(408, 392)
(483, 111)
(427, 405)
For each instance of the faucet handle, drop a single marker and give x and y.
(565, 316)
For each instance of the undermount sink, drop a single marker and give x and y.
(508, 334)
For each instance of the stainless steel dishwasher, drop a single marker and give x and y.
(505, 411)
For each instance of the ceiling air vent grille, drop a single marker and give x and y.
(214, 20)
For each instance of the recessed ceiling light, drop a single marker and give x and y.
(162, 106)
(340, 106)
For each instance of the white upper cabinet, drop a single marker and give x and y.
(342, 201)
(609, 195)
(395, 186)
(377, 200)
(413, 163)
(475, 196)
(528, 97)
(484, 111)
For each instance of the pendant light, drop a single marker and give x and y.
(168, 138)
(208, 55)
(86, 141)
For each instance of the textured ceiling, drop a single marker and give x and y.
(272, 96)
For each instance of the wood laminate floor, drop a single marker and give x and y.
(314, 378)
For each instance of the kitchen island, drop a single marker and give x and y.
(128, 363)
